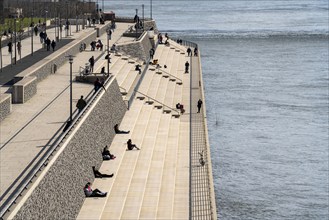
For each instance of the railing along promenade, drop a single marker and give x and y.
(44, 159)
(202, 196)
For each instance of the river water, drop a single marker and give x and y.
(265, 69)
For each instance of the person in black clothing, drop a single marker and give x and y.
(199, 105)
(48, 42)
(196, 51)
(131, 146)
(81, 104)
(53, 45)
(36, 30)
(10, 47)
(98, 174)
(92, 63)
(98, 85)
(118, 131)
(138, 68)
(107, 154)
(187, 65)
(189, 52)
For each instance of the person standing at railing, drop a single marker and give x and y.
(92, 63)
(189, 52)
(199, 105)
(187, 65)
(196, 51)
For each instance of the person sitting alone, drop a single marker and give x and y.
(138, 68)
(131, 146)
(98, 174)
(155, 62)
(180, 107)
(118, 131)
(107, 154)
(89, 192)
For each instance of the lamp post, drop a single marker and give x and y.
(108, 51)
(32, 26)
(143, 15)
(46, 12)
(151, 8)
(1, 34)
(71, 62)
(15, 39)
(137, 22)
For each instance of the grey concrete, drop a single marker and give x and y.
(60, 194)
(24, 90)
(5, 105)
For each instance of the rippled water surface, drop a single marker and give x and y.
(265, 69)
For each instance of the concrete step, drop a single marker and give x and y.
(122, 184)
(154, 179)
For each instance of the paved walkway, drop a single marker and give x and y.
(34, 125)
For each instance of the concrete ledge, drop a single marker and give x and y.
(24, 89)
(5, 105)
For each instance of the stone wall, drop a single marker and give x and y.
(5, 105)
(24, 90)
(139, 49)
(60, 194)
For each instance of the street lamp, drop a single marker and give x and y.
(46, 21)
(137, 22)
(108, 51)
(151, 8)
(15, 39)
(71, 62)
(143, 15)
(32, 26)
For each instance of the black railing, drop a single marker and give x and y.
(164, 105)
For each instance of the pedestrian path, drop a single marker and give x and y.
(34, 125)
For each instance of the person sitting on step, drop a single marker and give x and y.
(98, 174)
(89, 192)
(118, 131)
(131, 146)
(107, 154)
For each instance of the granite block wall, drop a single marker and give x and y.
(139, 49)
(24, 90)
(60, 193)
(5, 105)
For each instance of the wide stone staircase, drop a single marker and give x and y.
(154, 181)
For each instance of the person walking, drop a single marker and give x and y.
(151, 53)
(187, 65)
(48, 42)
(81, 104)
(92, 63)
(199, 105)
(53, 45)
(19, 48)
(10, 47)
(36, 30)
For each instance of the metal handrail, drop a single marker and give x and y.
(43, 161)
(158, 102)
(167, 73)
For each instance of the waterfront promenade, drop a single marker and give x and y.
(34, 125)
(164, 180)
